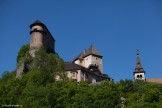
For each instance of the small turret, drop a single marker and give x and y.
(139, 72)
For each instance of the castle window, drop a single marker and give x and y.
(140, 76)
(137, 76)
(73, 74)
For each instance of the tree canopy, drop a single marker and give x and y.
(38, 89)
(32, 91)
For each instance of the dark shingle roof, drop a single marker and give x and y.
(91, 51)
(37, 22)
(139, 67)
(69, 66)
(72, 66)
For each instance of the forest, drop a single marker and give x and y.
(37, 88)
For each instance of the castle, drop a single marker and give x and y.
(87, 66)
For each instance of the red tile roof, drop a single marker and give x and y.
(154, 80)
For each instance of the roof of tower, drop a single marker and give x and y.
(139, 67)
(91, 51)
(37, 22)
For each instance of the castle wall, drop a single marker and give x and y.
(91, 60)
(48, 41)
(78, 62)
(87, 61)
(36, 40)
(40, 37)
(79, 75)
(97, 61)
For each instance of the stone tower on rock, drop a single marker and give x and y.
(40, 37)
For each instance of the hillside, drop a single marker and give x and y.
(37, 88)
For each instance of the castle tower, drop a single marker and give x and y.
(139, 72)
(90, 59)
(40, 37)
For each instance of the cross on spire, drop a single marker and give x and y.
(137, 52)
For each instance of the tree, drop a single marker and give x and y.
(152, 95)
(37, 87)
(22, 52)
(107, 96)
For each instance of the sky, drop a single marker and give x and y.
(117, 28)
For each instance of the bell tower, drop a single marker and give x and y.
(139, 73)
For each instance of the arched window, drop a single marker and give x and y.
(140, 76)
(137, 76)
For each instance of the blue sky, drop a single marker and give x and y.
(117, 28)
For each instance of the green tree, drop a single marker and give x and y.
(107, 96)
(22, 52)
(38, 89)
(151, 95)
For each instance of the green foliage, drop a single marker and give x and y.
(107, 96)
(151, 95)
(47, 64)
(22, 52)
(34, 90)
(8, 88)
(38, 89)
(145, 95)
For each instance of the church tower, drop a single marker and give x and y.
(40, 37)
(139, 72)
